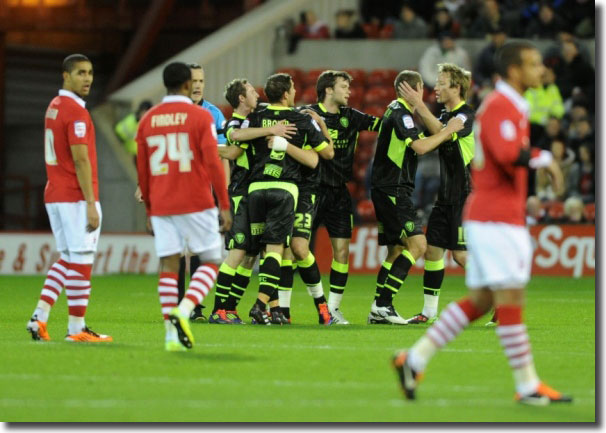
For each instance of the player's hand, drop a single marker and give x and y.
(225, 220)
(138, 194)
(92, 217)
(414, 96)
(285, 130)
(313, 114)
(454, 125)
(557, 179)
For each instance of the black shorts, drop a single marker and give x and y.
(445, 228)
(238, 237)
(396, 216)
(335, 211)
(271, 211)
(305, 213)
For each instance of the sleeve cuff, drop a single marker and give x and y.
(320, 147)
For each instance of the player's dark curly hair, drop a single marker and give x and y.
(234, 89)
(276, 85)
(175, 75)
(328, 79)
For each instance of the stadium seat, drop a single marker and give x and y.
(379, 95)
(359, 77)
(261, 92)
(556, 210)
(356, 97)
(366, 210)
(226, 110)
(295, 73)
(309, 78)
(363, 156)
(381, 77)
(374, 110)
(309, 95)
(386, 31)
(367, 139)
(372, 30)
(589, 212)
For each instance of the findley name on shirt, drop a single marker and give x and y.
(171, 119)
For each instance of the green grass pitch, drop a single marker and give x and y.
(304, 372)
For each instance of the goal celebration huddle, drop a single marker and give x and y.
(259, 184)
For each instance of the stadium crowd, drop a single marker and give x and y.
(562, 109)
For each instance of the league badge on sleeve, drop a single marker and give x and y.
(80, 129)
(408, 122)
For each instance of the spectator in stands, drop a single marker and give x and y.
(348, 26)
(445, 50)
(485, 73)
(553, 129)
(580, 133)
(573, 210)
(544, 101)
(553, 53)
(443, 22)
(574, 75)
(565, 159)
(582, 15)
(547, 24)
(488, 19)
(535, 214)
(126, 129)
(410, 25)
(310, 27)
(586, 174)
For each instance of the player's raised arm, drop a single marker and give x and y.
(279, 129)
(307, 157)
(325, 149)
(415, 97)
(427, 144)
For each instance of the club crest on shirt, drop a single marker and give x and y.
(508, 130)
(80, 129)
(344, 121)
(408, 122)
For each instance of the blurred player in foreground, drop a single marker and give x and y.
(500, 251)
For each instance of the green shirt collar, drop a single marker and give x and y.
(238, 116)
(277, 107)
(323, 108)
(459, 105)
(403, 102)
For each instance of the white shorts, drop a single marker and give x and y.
(68, 222)
(499, 255)
(198, 231)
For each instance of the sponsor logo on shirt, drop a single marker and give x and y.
(80, 129)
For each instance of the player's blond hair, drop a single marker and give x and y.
(458, 77)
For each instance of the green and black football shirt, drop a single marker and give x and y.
(455, 156)
(395, 163)
(271, 165)
(344, 128)
(240, 172)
